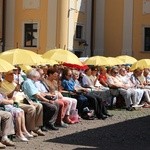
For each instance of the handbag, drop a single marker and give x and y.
(74, 115)
(88, 114)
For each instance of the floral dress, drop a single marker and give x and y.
(10, 108)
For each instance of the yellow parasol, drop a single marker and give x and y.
(21, 56)
(49, 62)
(97, 61)
(62, 56)
(114, 61)
(127, 59)
(5, 66)
(143, 63)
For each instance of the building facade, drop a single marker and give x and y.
(122, 27)
(43, 25)
(86, 27)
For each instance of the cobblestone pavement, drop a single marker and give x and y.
(126, 130)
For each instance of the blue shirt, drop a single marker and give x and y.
(30, 89)
(68, 84)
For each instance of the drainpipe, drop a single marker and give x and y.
(3, 25)
(92, 26)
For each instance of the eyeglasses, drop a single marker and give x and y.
(69, 75)
(115, 72)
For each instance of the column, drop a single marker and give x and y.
(127, 27)
(62, 24)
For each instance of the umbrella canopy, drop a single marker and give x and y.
(25, 67)
(143, 63)
(21, 56)
(62, 56)
(5, 66)
(82, 59)
(127, 59)
(49, 62)
(114, 61)
(97, 61)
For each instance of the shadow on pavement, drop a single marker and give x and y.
(129, 135)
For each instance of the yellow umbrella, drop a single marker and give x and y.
(127, 59)
(21, 56)
(49, 62)
(5, 66)
(143, 63)
(25, 67)
(61, 55)
(97, 61)
(114, 61)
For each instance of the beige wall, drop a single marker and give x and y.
(140, 20)
(38, 15)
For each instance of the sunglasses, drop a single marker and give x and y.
(69, 75)
(115, 72)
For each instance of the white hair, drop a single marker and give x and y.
(33, 73)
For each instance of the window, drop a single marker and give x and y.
(30, 35)
(147, 39)
(79, 32)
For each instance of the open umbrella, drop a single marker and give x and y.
(142, 63)
(21, 56)
(127, 59)
(25, 67)
(114, 61)
(97, 61)
(5, 66)
(49, 62)
(62, 56)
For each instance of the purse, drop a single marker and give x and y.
(88, 114)
(74, 115)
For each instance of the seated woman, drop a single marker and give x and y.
(19, 119)
(68, 84)
(63, 104)
(103, 76)
(52, 82)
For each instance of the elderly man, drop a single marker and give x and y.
(33, 111)
(7, 128)
(50, 108)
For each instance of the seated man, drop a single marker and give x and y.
(7, 128)
(33, 111)
(50, 108)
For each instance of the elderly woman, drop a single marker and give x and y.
(18, 114)
(139, 85)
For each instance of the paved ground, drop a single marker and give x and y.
(124, 131)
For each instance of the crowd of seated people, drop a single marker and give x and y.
(44, 98)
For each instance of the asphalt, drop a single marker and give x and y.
(126, 130)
